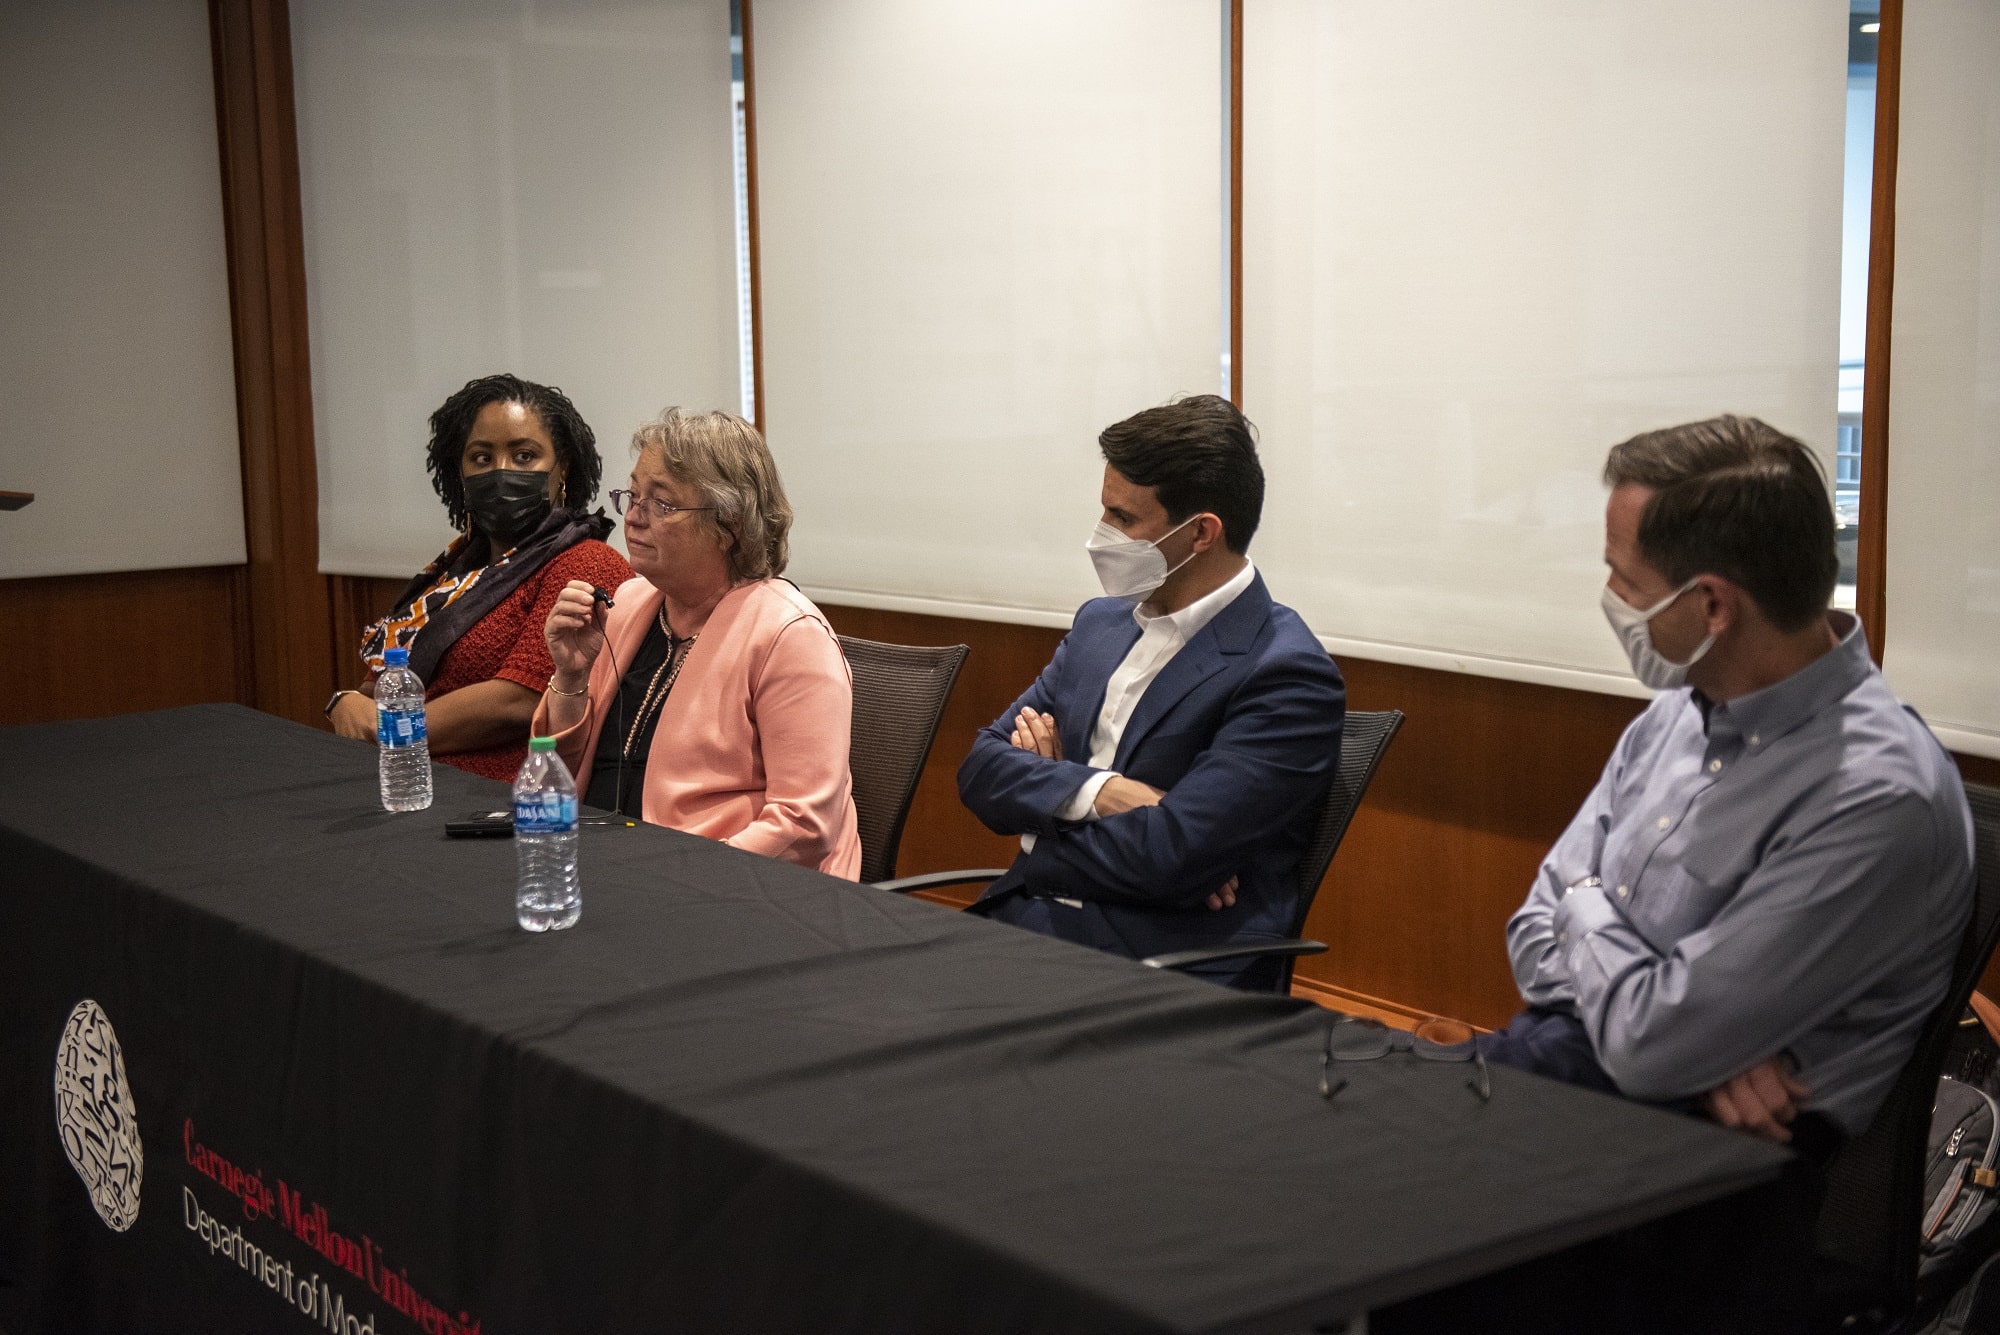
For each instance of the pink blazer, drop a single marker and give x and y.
(751, 746)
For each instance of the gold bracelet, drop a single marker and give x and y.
(557, 690)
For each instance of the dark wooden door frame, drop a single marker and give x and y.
(286, 625)
(750, 216)
(1871, 555)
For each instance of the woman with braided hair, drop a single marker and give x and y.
(516, 467)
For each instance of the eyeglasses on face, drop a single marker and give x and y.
(1355, 1039)
(654, 511)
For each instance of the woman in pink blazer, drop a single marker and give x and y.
(723, 706)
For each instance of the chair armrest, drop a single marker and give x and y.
(931, 880)
(1184, 959)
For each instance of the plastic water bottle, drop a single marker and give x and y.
(399, 727)
(548, 896)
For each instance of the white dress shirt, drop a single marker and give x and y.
(1161, 636)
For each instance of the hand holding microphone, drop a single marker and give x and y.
(574, 633)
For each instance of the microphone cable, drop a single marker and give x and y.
(616, 817)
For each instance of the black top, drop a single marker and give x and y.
(737, 1095)
(612, 788)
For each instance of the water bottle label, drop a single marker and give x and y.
(544, 813)
(399, 727)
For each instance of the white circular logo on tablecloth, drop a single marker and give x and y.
(95, 1117)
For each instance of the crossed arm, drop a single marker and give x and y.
(1713, 1015)
(1117, 794)
(1270, 756)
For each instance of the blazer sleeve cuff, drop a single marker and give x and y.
(1083, 806)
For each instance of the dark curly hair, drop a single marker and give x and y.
(576, 444)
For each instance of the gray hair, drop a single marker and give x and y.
(722, 456)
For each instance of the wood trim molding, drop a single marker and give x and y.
(1236, 202)
(1333, 997)
(750, 220)
(1870, 576)
(286, 610)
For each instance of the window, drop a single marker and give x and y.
(746, 336)
(1863, 20)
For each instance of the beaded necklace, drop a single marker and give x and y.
(651, 703)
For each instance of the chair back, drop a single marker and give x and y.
(1872, 1213)
(899, 695)
(1364, 739)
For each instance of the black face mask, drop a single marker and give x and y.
(507, 504)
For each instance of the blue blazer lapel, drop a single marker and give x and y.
(1229, 635)
(1098, 654)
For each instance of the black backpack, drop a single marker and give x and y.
(1957, 1278)
(1960, 1177)
(1975, 1308)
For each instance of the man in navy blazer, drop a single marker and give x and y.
(1165, 769)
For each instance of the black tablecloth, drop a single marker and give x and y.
(737, 1096)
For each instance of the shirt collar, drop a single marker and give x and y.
(1782, 706)
(1190, 619)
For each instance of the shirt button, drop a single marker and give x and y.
(1714, 766)
(1753, 739)
(1624, 890)
(1665, 821)
(1562, 938)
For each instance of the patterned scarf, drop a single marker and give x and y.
(450, 595)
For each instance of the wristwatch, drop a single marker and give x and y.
(333, 700)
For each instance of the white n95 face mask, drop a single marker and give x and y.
(1131, 567)
(1653, 668)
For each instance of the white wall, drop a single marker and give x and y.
(1484, 243)
(988, 232)
(491, 186)
(117, 376)
(1943, 573)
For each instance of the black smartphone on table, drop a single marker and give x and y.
(482, 825)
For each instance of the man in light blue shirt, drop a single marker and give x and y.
(1758, 905)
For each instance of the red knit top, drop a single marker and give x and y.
(507, 643)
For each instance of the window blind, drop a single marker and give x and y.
(1484, 243)
(1943, 571)
(987, 232)
(116, 367)
(490, 186)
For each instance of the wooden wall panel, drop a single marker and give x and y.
(1978, 769)
(83, 646)
(1481, 780)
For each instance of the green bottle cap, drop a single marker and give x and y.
(541, 743)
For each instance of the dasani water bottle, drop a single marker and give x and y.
(548, 896)
(399, 727)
